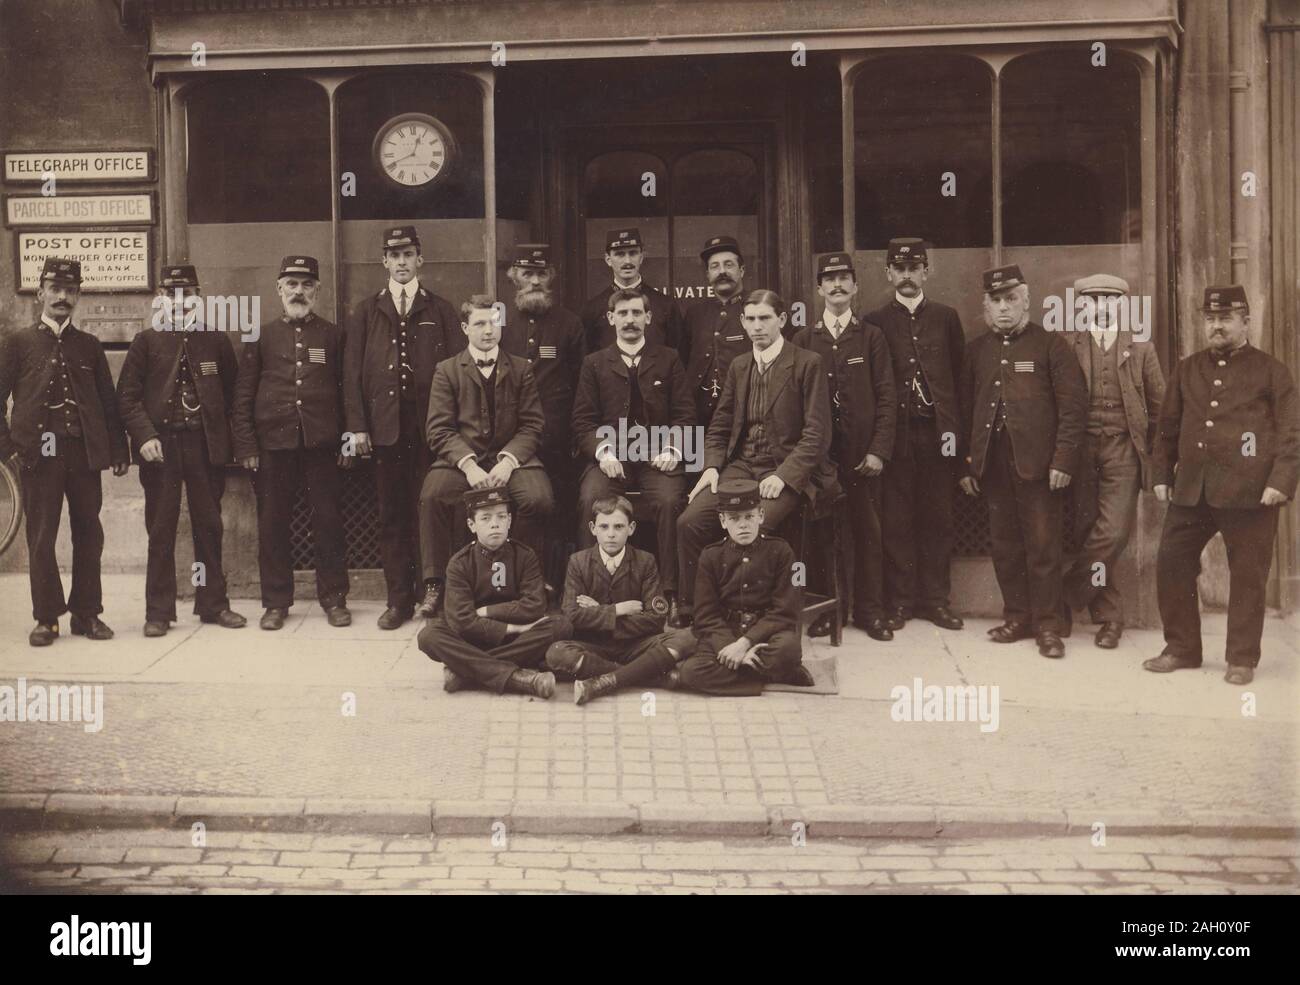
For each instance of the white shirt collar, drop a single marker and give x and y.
(630, 353)
(630, 287)
(616, 560)
(1105, 337)
(480, 354)
(830, 320)
(395, 290)
(768, 356)
(55, 327)
(911, 304)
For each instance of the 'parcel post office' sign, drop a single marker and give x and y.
(111, 260)
(115, 165)
(78, 210)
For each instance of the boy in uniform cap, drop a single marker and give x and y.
(860, 380)
(612, 598)
(926, 342)
(394, 342)
(287, 424)
(746, 605)
(63, 432)
(494, 628)
(624, 255)
(712, 331)
(1026, 403)
(1125, 388)
(554, 342)
(174, 394)
(1227, 457)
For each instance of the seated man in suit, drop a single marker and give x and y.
(772, 425)
(494, 628)
(747, 612)
(612, 598)
(638, 389)
(484, 426)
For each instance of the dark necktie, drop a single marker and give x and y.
(485, 363)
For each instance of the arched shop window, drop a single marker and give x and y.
(257, 150)
(922, 128)
(715, 182)
(615, 183)
(446, 110)
(1071, 149)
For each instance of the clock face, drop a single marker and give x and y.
(413, 150)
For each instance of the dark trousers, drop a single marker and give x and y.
(698, 526)
(1105, 489)
(632, 662)
(664, 494)
(562, 469)
(863, 557)
(491, 668)
(66, 474)
(917, 503)
(703, 673)
(276, 483)
(399, 476)
(442, 527)
(185, 463)
(1248, 534)
(1025, 528)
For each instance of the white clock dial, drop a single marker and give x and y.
(412, 151)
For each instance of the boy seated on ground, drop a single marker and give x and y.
(613, 601)
(746, 605)
(494, 629)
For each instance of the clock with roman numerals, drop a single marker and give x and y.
(414, 150)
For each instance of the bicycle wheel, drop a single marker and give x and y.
(11, 505)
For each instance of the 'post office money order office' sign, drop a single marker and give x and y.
(110, 260)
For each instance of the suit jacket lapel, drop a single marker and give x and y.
(779, 372)
(616, 363)
(746, 361)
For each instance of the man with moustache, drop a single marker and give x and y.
(642, 385)
(485, 427)
(624, 255)
(926, 342)
(553, 341)
(772, 426)
(63, 432)
(396, 339)
(1227, 457)
(1125, 388)
(712, 333)
(287, 418)
(1026, 403)
(174, 394)
(860, 380)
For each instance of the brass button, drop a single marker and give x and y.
(1209, 424)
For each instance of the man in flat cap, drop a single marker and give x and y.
(394, 342)
(712, 331)
(485, 426)
(860, 380)
(287, 426)
(1026, 404)
(174, 393)
(927, 343)
(1227, 457)
(553, 341)
(1125, 388)
(624, 255)
(63, 432)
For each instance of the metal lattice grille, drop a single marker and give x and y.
(971, 526)
(360, 510)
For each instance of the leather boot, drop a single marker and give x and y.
(538, 684)
(593, 687)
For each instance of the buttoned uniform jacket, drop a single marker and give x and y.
(858, 363)
(636, 578)
(755, 579)
(508, 581)
(1212, 406)
(372, 390)
(939, 346)
(797, 420)
(1038, 376)
(26, 367)
(665, 326)
(458, 423)
(554, 345)
(712, 330)
(290, 379)
(605, 394)
(148, 380)
(1141, 387)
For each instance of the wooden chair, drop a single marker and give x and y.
(812, 520)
